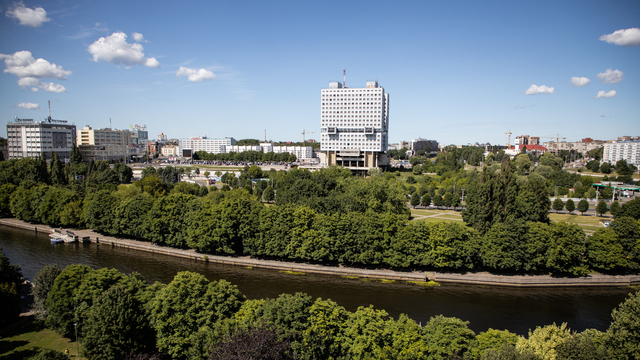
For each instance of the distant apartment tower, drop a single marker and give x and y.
(213, 146)
(354, 126)
(103, 144)
(622, 150)
(29, 138)
(524, 140)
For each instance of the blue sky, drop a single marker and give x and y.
(456, 71)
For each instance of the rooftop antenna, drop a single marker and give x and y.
(265, 135)
(49, 118)
(344, 78)
(109, 123)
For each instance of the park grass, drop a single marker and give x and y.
(29, 337)
(581, 220)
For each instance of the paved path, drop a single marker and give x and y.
(483, 278)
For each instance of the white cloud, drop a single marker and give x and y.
(29, 17)
(35, 84)
(22, 64)
(542, 89)
(605, 95)
(611, 76)
(580, 81)
(116, 50)
(29, 106)
(138, 37)
(625, 37)
(29, 71)
(196, 75)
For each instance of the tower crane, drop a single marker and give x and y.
(558, 138)
(509, 141)
(304, 133)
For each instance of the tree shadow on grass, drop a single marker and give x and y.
(10, 345)
(20, 355)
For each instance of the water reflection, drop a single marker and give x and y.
(516, 309)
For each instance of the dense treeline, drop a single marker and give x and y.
(329, 216)
(121, 315)
(245, 156)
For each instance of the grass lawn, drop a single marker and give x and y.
(26, 339)
(587, 222)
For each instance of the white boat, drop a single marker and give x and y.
(56, 238)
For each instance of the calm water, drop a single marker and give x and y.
(515, 309)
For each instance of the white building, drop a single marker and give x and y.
(29, 138)
(622, 150)
(354, 125)
(242, 148)
(169, 150)
(301, 152)
(214, 146)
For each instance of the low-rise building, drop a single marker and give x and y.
(213, 146)
(103, 144)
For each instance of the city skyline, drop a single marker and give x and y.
(458, 73)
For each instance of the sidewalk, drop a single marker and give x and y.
(479, 278)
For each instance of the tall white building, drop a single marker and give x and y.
(622, 150)
(354, 125)
(214, 146)
(29, 138)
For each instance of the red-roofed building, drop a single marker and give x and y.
(536, 150)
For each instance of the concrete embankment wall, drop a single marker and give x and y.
(478, 278)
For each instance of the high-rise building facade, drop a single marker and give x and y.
(29, 138)
(354, 125)
(622, 150)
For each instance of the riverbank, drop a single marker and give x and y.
(478, 278)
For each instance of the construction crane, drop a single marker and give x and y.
(304, 133)
(509, 141)
(558, 138)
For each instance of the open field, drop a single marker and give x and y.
(588, 223)
(24, 340)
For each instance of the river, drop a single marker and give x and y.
(515, 309)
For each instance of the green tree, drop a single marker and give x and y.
(566, 249)
(253, 343)
(366, 334)
(605, 168)
(5, 199)
(10, 282)
(57, 174)
(602, 207)
(593, 165)
(558, 204)
(570, 205)
(631, 209)
(425, 200)
(616, 209)
(604, 251)
(61, 302)
(117, 326)
(447, 336)
(188, 304)
(268, 194)
(322, 338)
(75, 157)
(586, 345)
(493, 339)
(543, 341)
(415, 199)
(622, 168)
(623, 336)
(583, 206)
(42, 284)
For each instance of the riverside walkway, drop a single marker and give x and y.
(480, 278)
